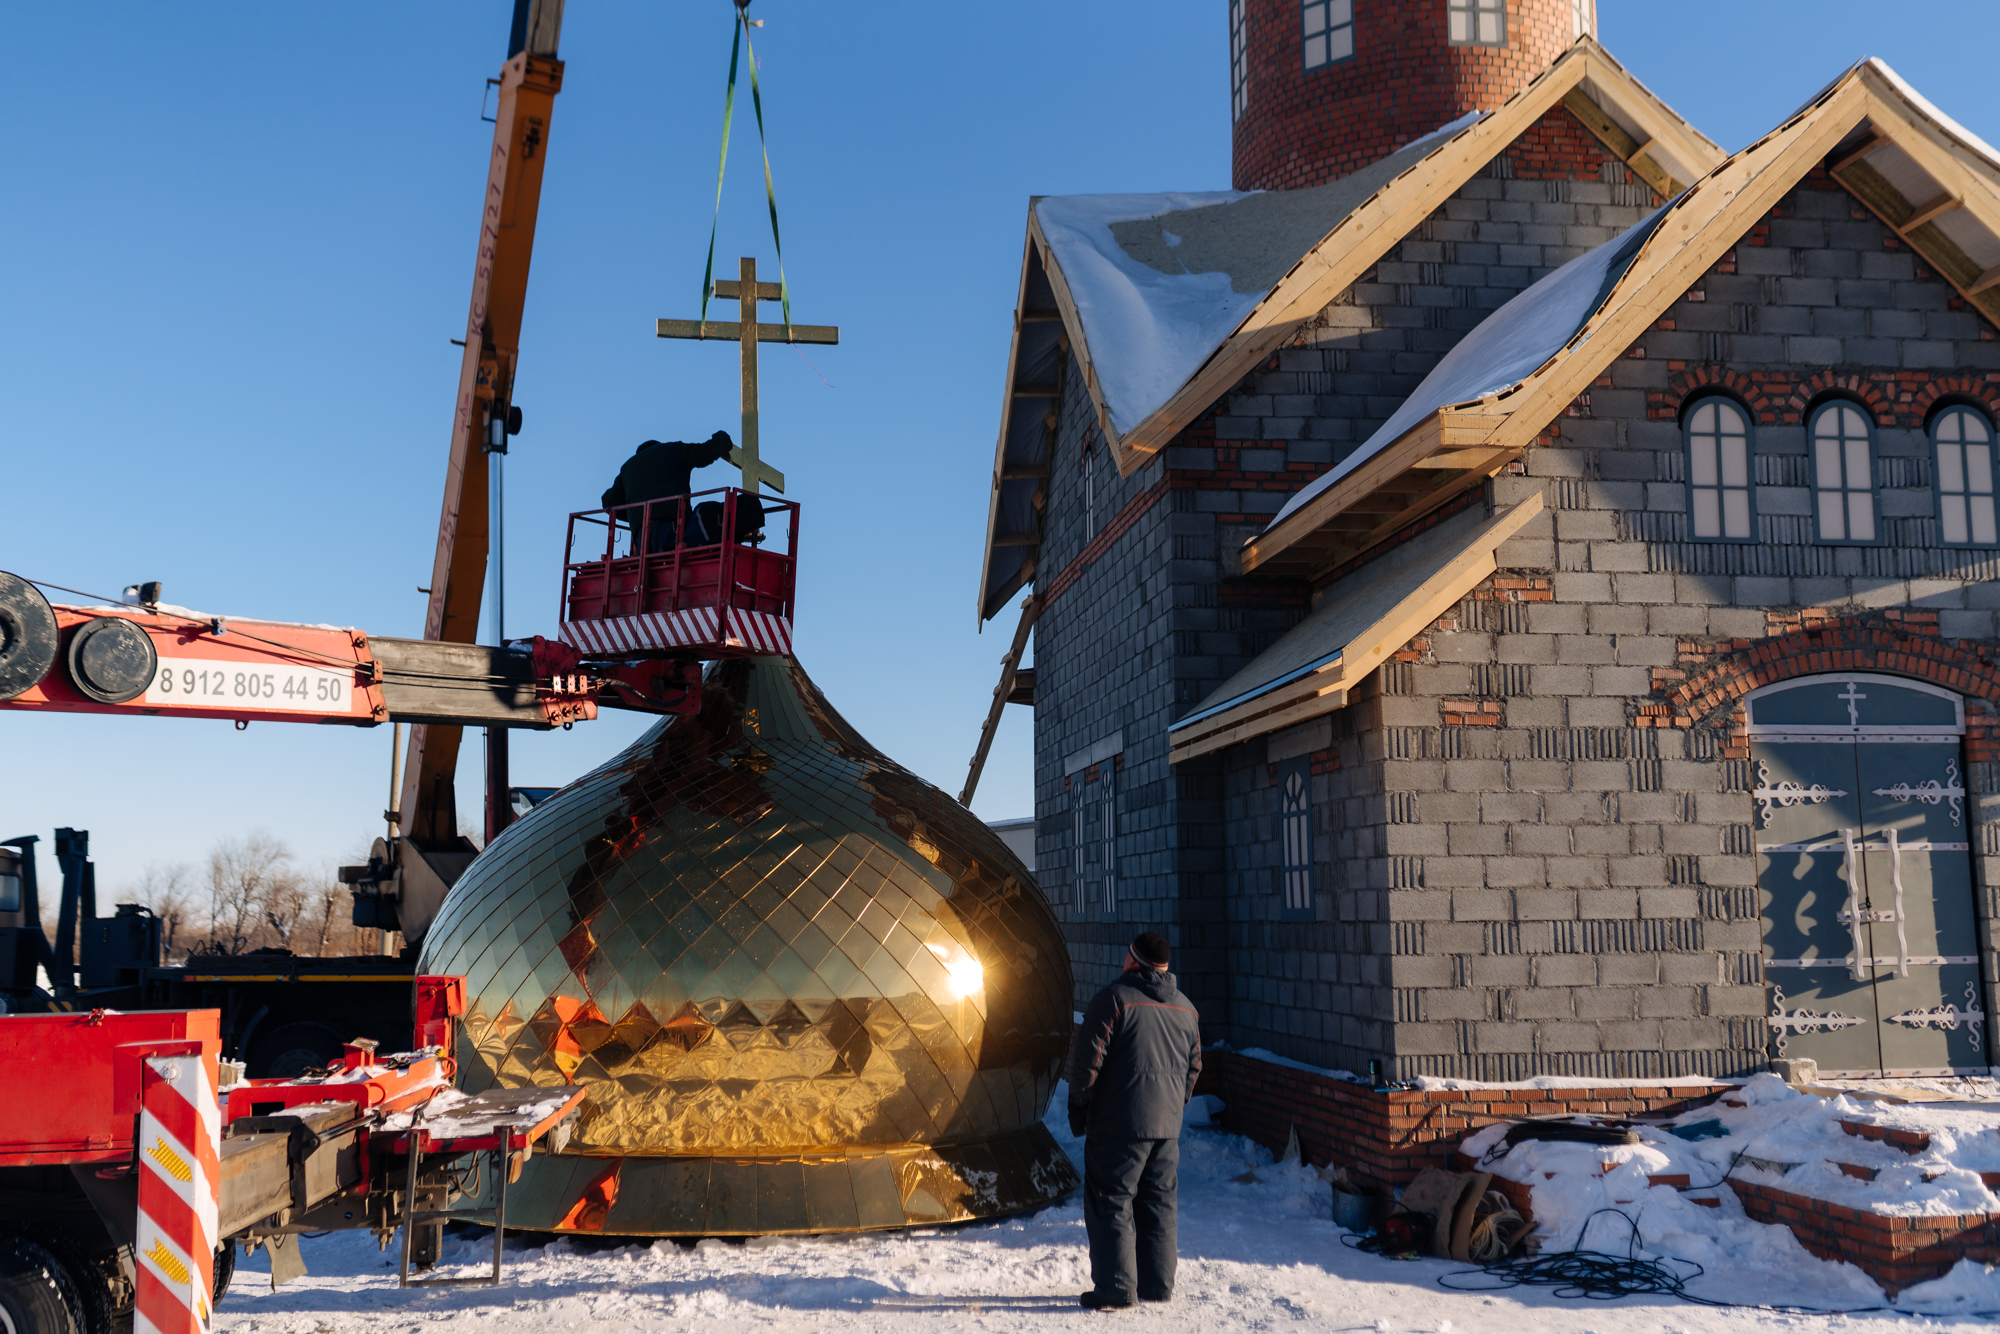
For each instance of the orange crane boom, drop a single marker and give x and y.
(528, 84)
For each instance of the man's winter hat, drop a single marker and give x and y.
(1151, 947)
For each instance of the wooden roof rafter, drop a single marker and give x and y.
(1697, 231)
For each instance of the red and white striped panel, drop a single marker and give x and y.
(180, 1145)
(652, 630)
(761, 631)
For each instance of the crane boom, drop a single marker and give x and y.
(528, 84)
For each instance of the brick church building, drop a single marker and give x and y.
(1513, 586)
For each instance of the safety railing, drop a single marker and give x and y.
(712, 549)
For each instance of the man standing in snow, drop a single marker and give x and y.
(1132, 1068)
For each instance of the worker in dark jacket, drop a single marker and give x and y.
(660, 469)
(1132, 1068)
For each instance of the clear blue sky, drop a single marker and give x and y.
(238, 238)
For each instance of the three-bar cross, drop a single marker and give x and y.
(747, 292)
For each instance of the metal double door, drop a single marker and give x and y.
(1864, 874)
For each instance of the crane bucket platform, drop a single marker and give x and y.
(702, 576)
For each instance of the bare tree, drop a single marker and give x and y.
(254, 894)
(168, 889)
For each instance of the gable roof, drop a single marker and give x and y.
(1166, 301)
(1933, 182)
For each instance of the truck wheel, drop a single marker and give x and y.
(293, 1049)
(92, 1298)
(225, 1269)
(36, 1296)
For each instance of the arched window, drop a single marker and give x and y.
(1329, 31)
(1718, 471)
(1843, 452)
(1963, 439)
(1295, 829)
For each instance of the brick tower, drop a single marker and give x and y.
(1320, 88)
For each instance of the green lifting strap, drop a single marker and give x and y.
(739, 42)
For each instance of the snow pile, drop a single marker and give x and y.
(1258, 1253)
(1776, 1136)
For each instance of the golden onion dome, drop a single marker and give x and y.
(809, 991)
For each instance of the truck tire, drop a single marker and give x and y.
(36, 1294)
(92, 1298)
(293, 1049)
(225, 1270)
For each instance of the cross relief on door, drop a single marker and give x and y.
(1865, 876)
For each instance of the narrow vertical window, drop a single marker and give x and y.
(1843, 474)
(1329, 31)
(1077, 844)
(1091, 495)
(1718, 472)
(1107, 831)
(1964, 443)
(1476, 22)
(1239, 58)
(1582, 18)
(1295, 836)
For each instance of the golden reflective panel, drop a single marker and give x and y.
(809, 991)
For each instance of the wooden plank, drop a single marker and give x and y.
(1016, 472)
(1882, 199)
(1930, 210)
(1990, 278)
(1017, 539)
(1040, 316)
(1430, 600)
(1036, 391)
(731, 331)
(1360, 241)
(1868, 145)
(1303, 711)
(1031, 607)
(985, 598)
(1689, 240)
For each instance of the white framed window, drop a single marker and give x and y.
(1295, 837)
(1718, 472)
(1963, 439)
(1476, 22)
(1843, 446)
(1329, 31)
(1239, 58)
(1582, 19)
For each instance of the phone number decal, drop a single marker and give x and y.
(205, 683)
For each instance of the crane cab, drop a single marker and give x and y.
(702, 576)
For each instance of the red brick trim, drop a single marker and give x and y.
(1120, 523)
(1983, 392)
(1869, 389)
(1762, 392)
(1896, 1252)
(1390, 1136)
(1706, 689)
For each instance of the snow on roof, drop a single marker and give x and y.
(1504, 349)
(1160, 281)
(1944, 122)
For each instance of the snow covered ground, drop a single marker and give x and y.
(1254, 1256)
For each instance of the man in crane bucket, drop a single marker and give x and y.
(662, 469)
(1132, 1069)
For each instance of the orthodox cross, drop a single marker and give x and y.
(1853, 698)
(747, 292)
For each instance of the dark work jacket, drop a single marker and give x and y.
(661, 468)
(1135, 1058)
